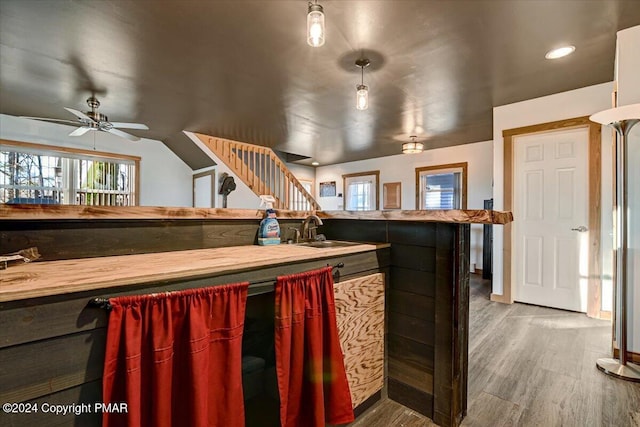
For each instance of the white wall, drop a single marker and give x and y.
(628, 80)
(165, 180)
(565, 105)
(402, 168)
(302, 172)
(240, 198)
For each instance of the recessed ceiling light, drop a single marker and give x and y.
(560, 52)
(315, 163)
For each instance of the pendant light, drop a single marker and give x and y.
(412, 147)
(315, 25)
(362, 91)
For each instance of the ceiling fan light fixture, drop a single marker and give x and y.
(315, 25)
(412, 147)
(362, 90)
(560, 52)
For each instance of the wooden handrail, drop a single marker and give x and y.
(260, 169)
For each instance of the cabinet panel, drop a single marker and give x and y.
(360, 317)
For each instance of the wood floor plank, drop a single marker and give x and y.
(533, 366)
(383, 415)
(489, 410)
(389, 413)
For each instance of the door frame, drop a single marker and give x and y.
(594, 289)
(195, 176)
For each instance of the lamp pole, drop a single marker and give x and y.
(622, 119)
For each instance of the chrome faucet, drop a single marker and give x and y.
(307, 230)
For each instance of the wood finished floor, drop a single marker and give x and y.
(531, 366)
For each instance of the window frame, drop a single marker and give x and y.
(435, 169)
(376, 174)
(56, 150)
(311, 183)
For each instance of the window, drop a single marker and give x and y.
(34, 173)
(307, 184)
(442, 187)
(361, 191)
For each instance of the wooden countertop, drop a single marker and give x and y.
(38, 279)
(67, 212)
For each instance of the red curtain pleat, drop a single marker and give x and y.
(312, 381)
(175, 358)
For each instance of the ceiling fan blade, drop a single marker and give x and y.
(79, 114)
(123, 125)
(44, 119)
(80, 131)
(124, 135)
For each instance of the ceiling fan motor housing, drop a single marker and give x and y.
(93, 102)
(98, 117)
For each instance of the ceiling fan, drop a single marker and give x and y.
(92, 120)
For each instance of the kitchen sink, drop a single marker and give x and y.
(328, 244)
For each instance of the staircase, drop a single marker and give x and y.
(260, 169)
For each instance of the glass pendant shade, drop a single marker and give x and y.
(315, 25)
(412, 147)
(362, 97)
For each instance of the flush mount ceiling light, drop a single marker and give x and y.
(412, 147)
(315, 25)
(315, 163)
(560, 52)
(362, 91)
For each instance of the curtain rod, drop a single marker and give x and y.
(103, 303)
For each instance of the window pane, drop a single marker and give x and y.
(444, 180)
(360, 192)
(30, 176)
(359, 196)
(103, 183)
(441, 190)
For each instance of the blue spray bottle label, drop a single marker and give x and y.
(269, 233)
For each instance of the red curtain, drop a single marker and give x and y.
(175, 358)
(311, 377)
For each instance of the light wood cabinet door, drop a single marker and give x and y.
(360, 316)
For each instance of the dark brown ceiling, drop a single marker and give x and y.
(242, 69)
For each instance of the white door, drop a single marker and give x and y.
(550, 203)
(203, 191)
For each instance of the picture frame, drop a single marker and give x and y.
(328, 189)
(392, 195)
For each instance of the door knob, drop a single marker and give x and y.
(580, 229)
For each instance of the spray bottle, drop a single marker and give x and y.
(269, 233)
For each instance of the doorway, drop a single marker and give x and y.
(593, 265)
(551, 204)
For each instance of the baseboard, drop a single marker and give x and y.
(373, 399)
(499, 298)
(604, 315)
(631, 356)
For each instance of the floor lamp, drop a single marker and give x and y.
(622, 119)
